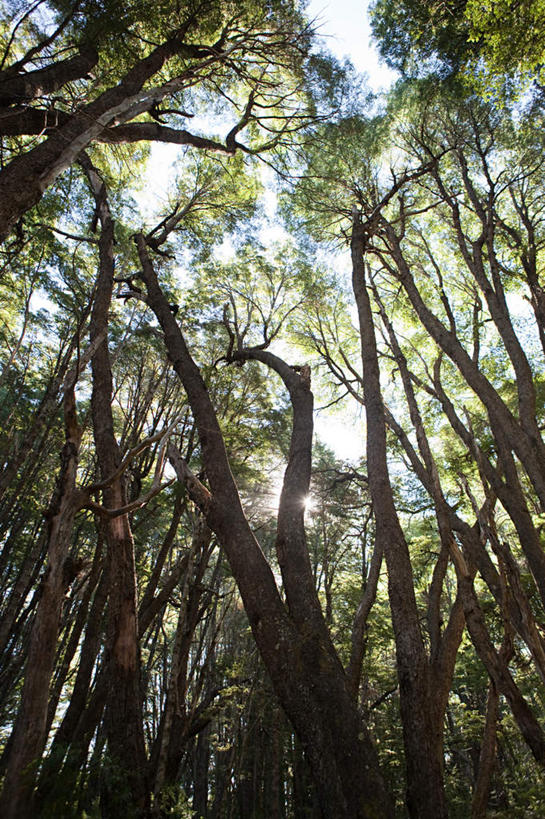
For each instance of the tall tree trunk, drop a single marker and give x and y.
(487, 757)
(528, 450)
(308, 678)
(171, 735)
(495, 662)
(64, 739)
(124, 787)
(200, 773)
(29, 733)
(425, 793)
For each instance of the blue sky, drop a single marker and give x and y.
(344, 25)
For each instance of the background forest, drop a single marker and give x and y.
(213, 236)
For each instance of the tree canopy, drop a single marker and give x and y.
(218, 248)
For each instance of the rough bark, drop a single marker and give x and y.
(425, 794)
(307, 678)
(124, 787)
(18, 88)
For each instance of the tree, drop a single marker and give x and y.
(381, 239)
(294, 645)
(498, 47)
(242, 52)
(216, 615)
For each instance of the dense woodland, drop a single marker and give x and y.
(205, 611)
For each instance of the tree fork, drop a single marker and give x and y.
(307, 678)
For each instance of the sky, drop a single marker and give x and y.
(344, 26)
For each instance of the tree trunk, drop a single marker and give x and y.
(29, 733)
(425, 793)
(487, 757)
(124, 783)
(308, 678)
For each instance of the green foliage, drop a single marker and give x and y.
(415, 37)
(511, 36)
(498, 47)
(426, 168)
(173, 802)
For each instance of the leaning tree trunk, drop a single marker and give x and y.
(425, 793)
(29, 733)
(306, 673)
(487, 756)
